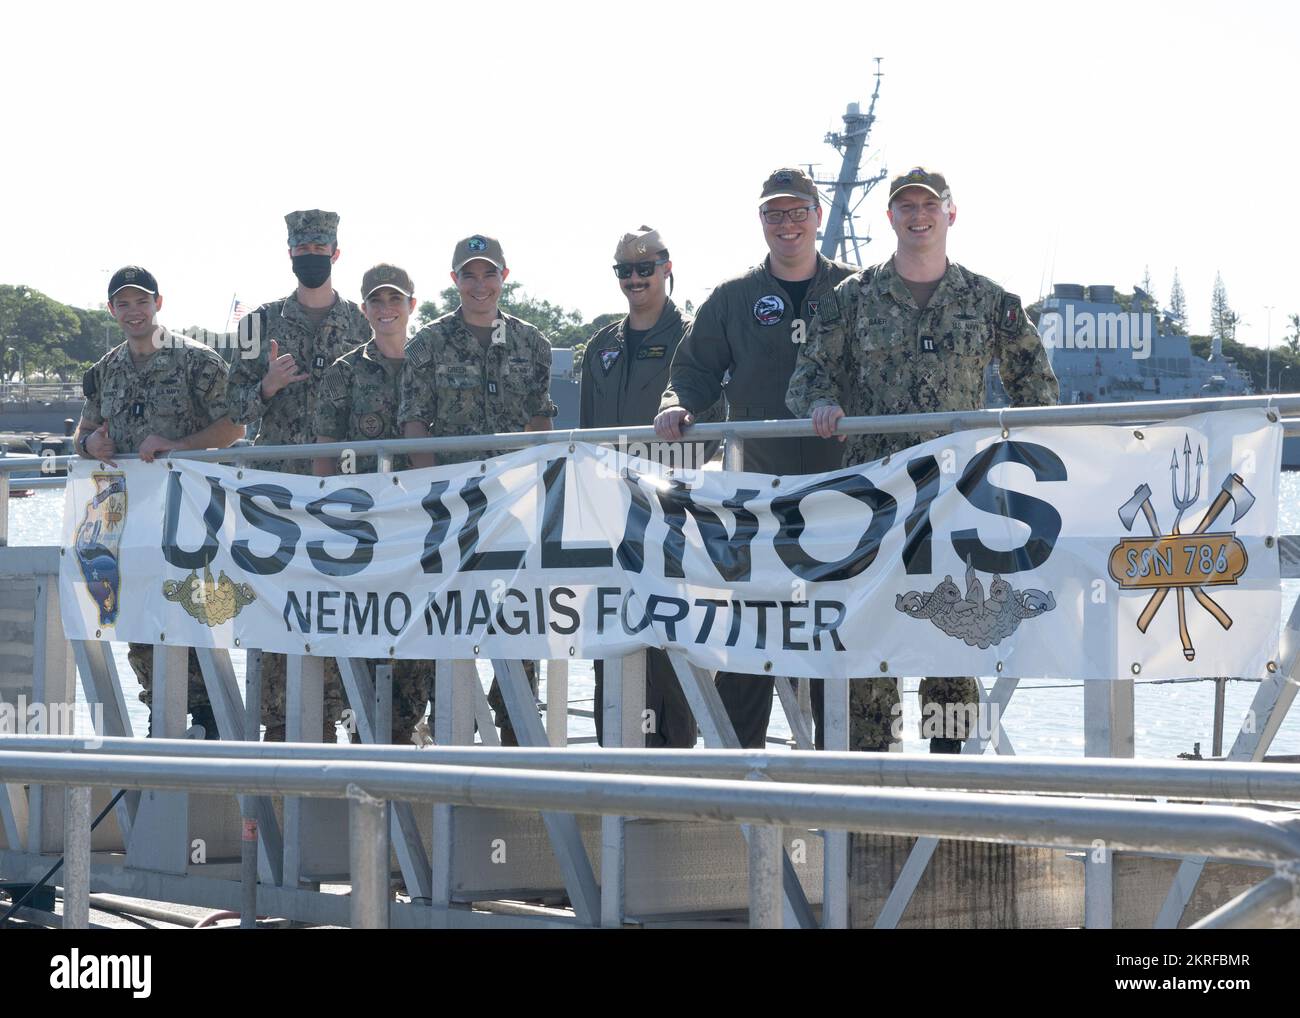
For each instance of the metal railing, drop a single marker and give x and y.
(1237, 834)
(962, 772)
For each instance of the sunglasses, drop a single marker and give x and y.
(643, 269)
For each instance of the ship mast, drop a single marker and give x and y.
(839, 239)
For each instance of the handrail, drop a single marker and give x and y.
(962, 420)
(1186, 780)
(1239, 833)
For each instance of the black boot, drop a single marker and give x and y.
(945, 745)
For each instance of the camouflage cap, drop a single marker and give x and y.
(312, 226)
(788, 182)
(919, 176)
(639, 245)
(478, 246)
(132, 275)
(384, 275)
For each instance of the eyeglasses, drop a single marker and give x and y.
(643, 269)
(778, 216)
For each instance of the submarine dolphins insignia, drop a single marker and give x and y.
(97, 543)
(1177, 561)
(978, 620)
(212, 602)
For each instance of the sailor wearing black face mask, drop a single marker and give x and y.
(286, 346)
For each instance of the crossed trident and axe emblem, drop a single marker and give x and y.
(1177, 561)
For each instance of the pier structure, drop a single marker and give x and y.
(554, 835)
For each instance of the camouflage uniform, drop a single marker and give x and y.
(872, 351)
(287, 418)
(456, 386)
(178, 391)
(358, 401)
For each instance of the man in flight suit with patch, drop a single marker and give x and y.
(624, 373)
(751, 328)
(914, 334)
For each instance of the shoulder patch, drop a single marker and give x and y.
(89, 384)
(827, 309)
(1010, 314)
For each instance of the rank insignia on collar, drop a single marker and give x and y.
(492, 388)
(319, 362)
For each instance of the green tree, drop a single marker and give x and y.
(98, 334)
(31, 322)
(562, 326)
(1147, 285)
(1177, 306)
(1291, 340)
(1223, 320)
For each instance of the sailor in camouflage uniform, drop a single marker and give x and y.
(286, 347)
(749, 331)
(914, 335)
(153, 394)
(477, 371)
(358, 402)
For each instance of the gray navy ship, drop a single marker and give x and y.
(1105, 352)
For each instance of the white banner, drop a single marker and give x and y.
(1084, 552)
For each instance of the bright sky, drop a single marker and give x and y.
(1083, 142)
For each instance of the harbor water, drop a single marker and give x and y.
(1045, 716)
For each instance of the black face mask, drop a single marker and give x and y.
(311, 269)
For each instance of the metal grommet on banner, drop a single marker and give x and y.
(236, 641)
(1138, 435)
(1136, 668)
(767, 666)
(476, 650)
(884, 667)
(1268, 542)
(572, 651)
(482, 468)
(999, 667)
(1272, 667)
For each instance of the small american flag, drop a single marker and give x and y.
(239, 310)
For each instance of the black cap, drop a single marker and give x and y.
(132, 275)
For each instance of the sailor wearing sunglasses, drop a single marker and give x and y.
(624, 372)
